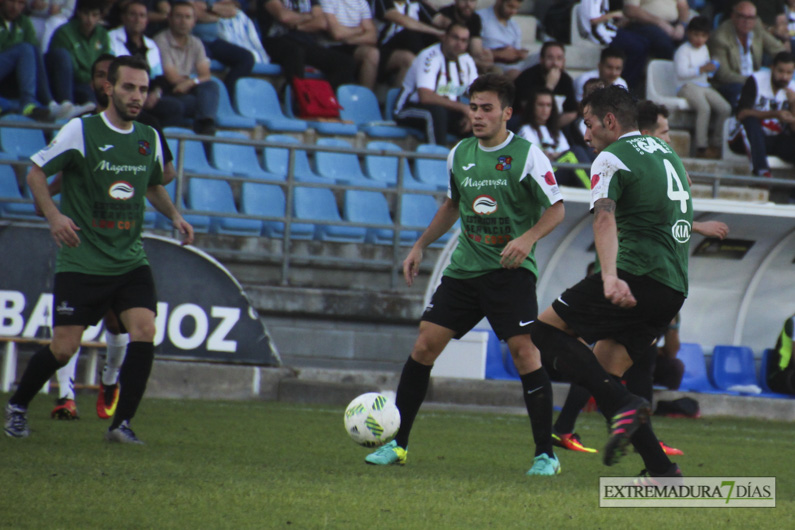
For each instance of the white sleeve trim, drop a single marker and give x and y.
(69, 137)
(539, 168)
(602, 171)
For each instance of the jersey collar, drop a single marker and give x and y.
(498, 147)
(633, 133)
(113, 127)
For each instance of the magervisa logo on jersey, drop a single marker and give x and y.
(484, 205)
(681, 231)
(121, 190)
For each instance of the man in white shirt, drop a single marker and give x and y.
(503, 37)
(437, 78)
(350, 25)
(611, 64)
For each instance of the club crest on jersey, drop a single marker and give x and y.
(143, 147)
(681, 231)
(504, 163)
(484, 205)
(121, 190)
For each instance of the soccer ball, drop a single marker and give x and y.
(372, 419)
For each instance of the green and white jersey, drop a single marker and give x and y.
(106, 173)
(654, 212)
(501, 193)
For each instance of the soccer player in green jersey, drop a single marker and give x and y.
(503, 189)
(643, 215)
(110, 165)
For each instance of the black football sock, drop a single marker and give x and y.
(537, 391)
(577, 363)
(40, 368)
(640, 375)
(132, 380)
(575, 401)
(411, 392)
(648, 446)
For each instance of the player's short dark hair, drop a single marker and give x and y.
(648, 112)
(497, 83)
(700, 24)
(783, 57)
(592, 84)
(615, 100)
(101, 58)
(612, 51)
(88, 5)
(130, 61)
(133, 2)
(551, 44)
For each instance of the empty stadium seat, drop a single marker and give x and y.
(343, 168)
(195, 160)
(240, 160)
(385, 168)
(360, 106)
(695, 377)
(371, 207)
(418, 210)
(256, 98)
(9, 189)
(267, 200)
(216, 196)
(433, 172)
(266, 69)
(20, 143)
(200, 223)
(496, 360)
(318, 205)
(661, 85)
(226, 116)
(733, 366)
(276, 160)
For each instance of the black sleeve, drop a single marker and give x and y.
(566, 88)
(168, 156)
(427, 12)
(380, 7)
(748, 95)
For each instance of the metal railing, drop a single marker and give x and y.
(398, 192)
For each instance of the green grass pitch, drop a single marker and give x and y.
(210, 464)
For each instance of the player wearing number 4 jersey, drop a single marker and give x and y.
(643, 214)
(503, 190)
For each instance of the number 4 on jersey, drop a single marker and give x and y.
(678, 194)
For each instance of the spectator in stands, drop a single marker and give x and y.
(549, 73)
(693, 66)
(780, 30)
(186, 69)
(738, 45)
(406, 28)
(599, 23)
(611, 64)
(464, 11)
(780, 361)
(21, 61)
(40, 11)
(653, 28)
(350, 24)
(439, 76)
(542, 128)
(237, 60)
(73, 49)
(291, 31)
(765, 111)
(503, 37)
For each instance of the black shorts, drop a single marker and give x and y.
(593, 317)
(82, 299)
(507, 297)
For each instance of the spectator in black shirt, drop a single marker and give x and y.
(463, 11)
(549, 73)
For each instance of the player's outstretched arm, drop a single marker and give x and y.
(517, 250)
(606, 241)
(160, 199)
(445, 218)
(62, 228)
(711, 229)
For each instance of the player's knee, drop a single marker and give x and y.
(424, 353)
(64, 350)
(143, 332)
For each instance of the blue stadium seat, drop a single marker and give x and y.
(371, 207)
(418, 210)
(240, 160)
(195, 160)
(256, 98)
(385, 168)
(766, 392)
(200, 223)
(9, 189)
(433, 172)
(695, 377)
(360, 106)
(277, 158)
(318, 205)
(389, 112)
(226, 115)
(266, 69)
(216, 196)
(732, 366)
(498, 359)
(343, 168)
(20, 143)
(268, 200)
(331, 128)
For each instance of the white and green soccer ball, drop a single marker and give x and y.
(372, 419)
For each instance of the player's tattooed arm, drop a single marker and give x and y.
(605, 205)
